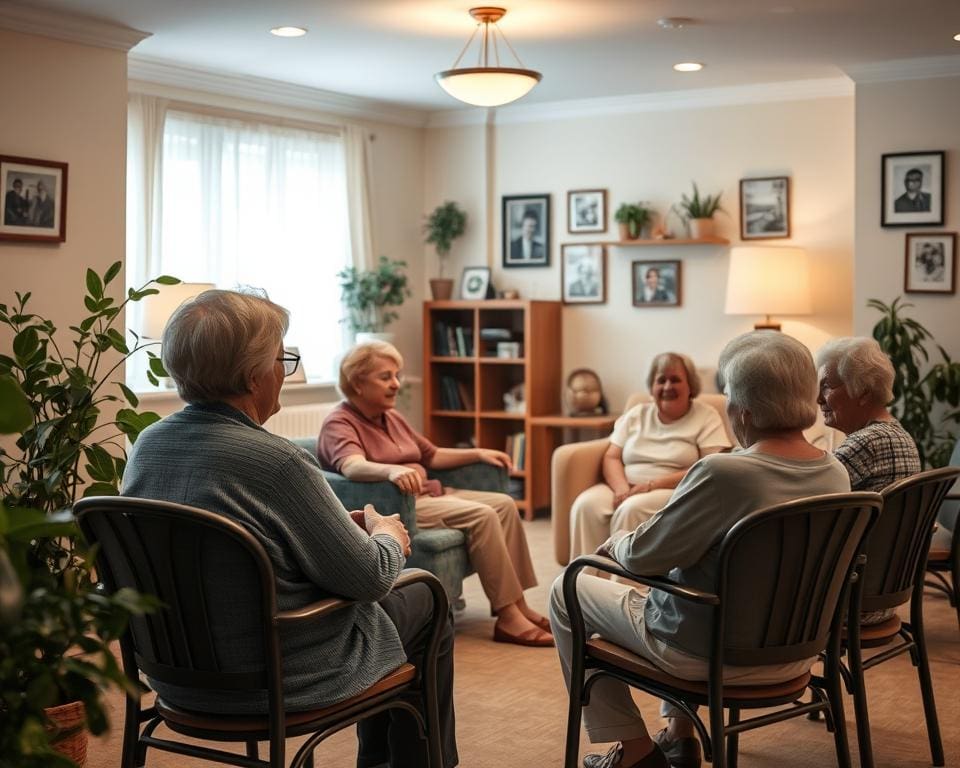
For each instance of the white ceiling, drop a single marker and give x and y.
(389, 50)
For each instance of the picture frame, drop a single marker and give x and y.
(526, 230)
(665, 290)
(583, 273)
(912, 189)
(586, 211)
(765, 208)
(475, 283)
(930, 262)
(34, 200)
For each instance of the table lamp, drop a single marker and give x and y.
(157, 308)
(767, 280)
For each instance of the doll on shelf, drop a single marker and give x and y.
(583, 395)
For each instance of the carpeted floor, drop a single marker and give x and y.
(511, 704)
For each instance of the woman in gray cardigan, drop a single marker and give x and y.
(224, 351)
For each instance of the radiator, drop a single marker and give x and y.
(299, 420)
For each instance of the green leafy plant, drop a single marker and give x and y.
(696, 207)
(921, 398)
(442, 227)
(636, 217)
(367, 294)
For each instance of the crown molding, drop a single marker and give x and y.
(264, 90)
(905, 69)
(667, 101)
(65, 26)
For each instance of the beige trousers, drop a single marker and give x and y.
(593, 518)
(496, 543)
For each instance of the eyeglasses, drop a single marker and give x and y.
(290, 362)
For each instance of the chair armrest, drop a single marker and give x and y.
(657, 582)
(385, 497)
(478, 476)
(574, 468)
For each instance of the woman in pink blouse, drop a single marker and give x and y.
(366, 439)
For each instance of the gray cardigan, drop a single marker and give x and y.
(214, 457)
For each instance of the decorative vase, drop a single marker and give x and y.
(628, 231)
(362, 337)
(441, 288)
(701, 229)
(69, 731)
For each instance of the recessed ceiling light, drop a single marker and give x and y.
(674, 22)
(288, 31)
(957, 38)
(688, 66)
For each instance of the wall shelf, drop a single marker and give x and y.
(671, 241)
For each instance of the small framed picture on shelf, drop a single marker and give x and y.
(583, 273)
(912, 189)
(586, 211)
(34, 200)
(657, 283)
(930, 262)
(526, 231)
(475, 283)
(764, 208)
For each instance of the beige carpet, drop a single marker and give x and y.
(511, 704)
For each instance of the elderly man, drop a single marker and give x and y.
(15, 205)
(913, 200)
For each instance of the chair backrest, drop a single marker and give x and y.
(898, 545)
(171, 551)
(782, 572)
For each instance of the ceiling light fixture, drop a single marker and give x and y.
(957, 38)
(674, 22)
(688, 66)
(485, 85)
(288, 31)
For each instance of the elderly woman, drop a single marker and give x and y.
(364, 438)
(651, 448)
(856, 383)
(771, 386)
(224, 351)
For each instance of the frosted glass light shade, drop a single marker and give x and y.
(158, 308)
(767, 280)
(487, 86)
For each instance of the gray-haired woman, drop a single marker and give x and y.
(856, 384)
(225, 352)
(771, 387)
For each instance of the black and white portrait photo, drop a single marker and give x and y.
(764, 208)
(930, 262)
(913, 189)
(526, 231)
(587, 210)
(583, 273)
(34, 199)
(656, 283)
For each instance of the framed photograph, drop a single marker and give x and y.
(930, 265)
(912, 189)
(34, 200)
(526, 231)
(764, 208)
(475, 283)
(586, 211)
(657, 283)
(583, 273)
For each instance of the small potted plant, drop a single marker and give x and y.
(442, 227)
(367, 294)
(698, 213)
(632, 219)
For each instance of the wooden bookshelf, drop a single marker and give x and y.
(458, 359)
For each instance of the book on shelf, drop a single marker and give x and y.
(449, 394)
(495, 334)
(452, 340)
(516, 449)
(466, 397)
(440, 346)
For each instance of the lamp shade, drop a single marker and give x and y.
(158, 307)
(767, 280)
(487, 86)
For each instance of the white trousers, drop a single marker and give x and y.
(593, 519)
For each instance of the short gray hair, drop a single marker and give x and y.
(214, 342)
(665, 359)
(772, 376)
(861, 365)
(359, 361)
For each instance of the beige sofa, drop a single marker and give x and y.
(577, 466)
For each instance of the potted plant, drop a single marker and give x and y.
(698, 213)
(442, 227)
(367, 294)
(55, 626)
(632, 219)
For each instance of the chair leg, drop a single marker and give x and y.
(926, 688)
(253, 750)
(836, 719)
(131, 734)
(733, 739)
(717, 736)
(574, 713)
(859, 691)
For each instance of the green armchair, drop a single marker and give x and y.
(442, 551)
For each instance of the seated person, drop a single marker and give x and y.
(366, 439)
(771, 386)
(225, 352)
(651, 448)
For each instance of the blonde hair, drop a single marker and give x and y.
(666, 358)
(359, 362)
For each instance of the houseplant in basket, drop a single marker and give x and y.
(58, 400)
(368, 295)
(632, 219)
(698, 212)
(442, 227)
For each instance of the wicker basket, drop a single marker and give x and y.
(69, 731)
